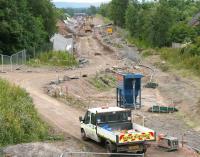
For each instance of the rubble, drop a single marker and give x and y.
(83, 61)
(151, 85)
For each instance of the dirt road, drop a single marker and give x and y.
(58, 114)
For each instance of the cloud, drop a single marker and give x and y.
(82, 1)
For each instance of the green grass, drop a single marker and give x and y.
(19, 121)
(149, 52)
(181, 61)
(184, 63)
(73, 101)
(54, 58)
(136, 42)
(103, 81)
(106, 20)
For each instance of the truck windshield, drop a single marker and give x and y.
(113, 117)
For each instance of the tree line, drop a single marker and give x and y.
(25, 24)
(92, 10)
(155, 23)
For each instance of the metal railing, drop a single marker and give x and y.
(96, 154)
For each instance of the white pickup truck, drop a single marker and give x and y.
(114, 127)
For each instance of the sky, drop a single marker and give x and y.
(82, 1)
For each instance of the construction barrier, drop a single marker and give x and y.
(5, 62)
(8, 63)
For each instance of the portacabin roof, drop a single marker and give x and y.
(106, 109)
(131, 75)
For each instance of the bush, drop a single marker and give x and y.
(181, 60)
(54, 58)
(19, 120)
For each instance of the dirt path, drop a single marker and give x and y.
(58, 114)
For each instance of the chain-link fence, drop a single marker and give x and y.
(34, 52)
(8, 63)
(18, 59)
(5, 62)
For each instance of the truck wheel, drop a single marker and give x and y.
(110, 148)
(83, 135)
(143, 151)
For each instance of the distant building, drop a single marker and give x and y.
(80, 14)
(62, 43)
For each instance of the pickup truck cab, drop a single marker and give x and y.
(114, 127)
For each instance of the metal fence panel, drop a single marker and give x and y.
(18, 59)
(5, 62)
(96, 154)
(9, 62)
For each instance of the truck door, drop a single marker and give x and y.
(93, 128)
(87, 123)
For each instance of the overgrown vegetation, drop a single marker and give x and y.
(19, 121)
(157, 24)
(54, 58)
(25, 24)
(181, 60)
(103, 81)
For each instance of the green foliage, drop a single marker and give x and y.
(54, 58)
(181, 32)
(25, 23)
(180, 60)
(117, 11)
(193, 49)
(156, 23)
(46, 10)
(141, 44)
(104, 10)
(18, 117)
(92, 10)
(103, 81)
(161, 22)
(132, 18)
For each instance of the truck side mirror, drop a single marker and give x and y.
(80, 118)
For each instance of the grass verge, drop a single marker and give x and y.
(18, 118)
(54, 58)
(181, 61)
(103, 81)
(19, 121)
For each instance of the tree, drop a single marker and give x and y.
(104, 10)
(92, 10)
(181, 32)
(23, 25)
(46, 10)
(161, 23)
(118, 10)
(131, 19)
